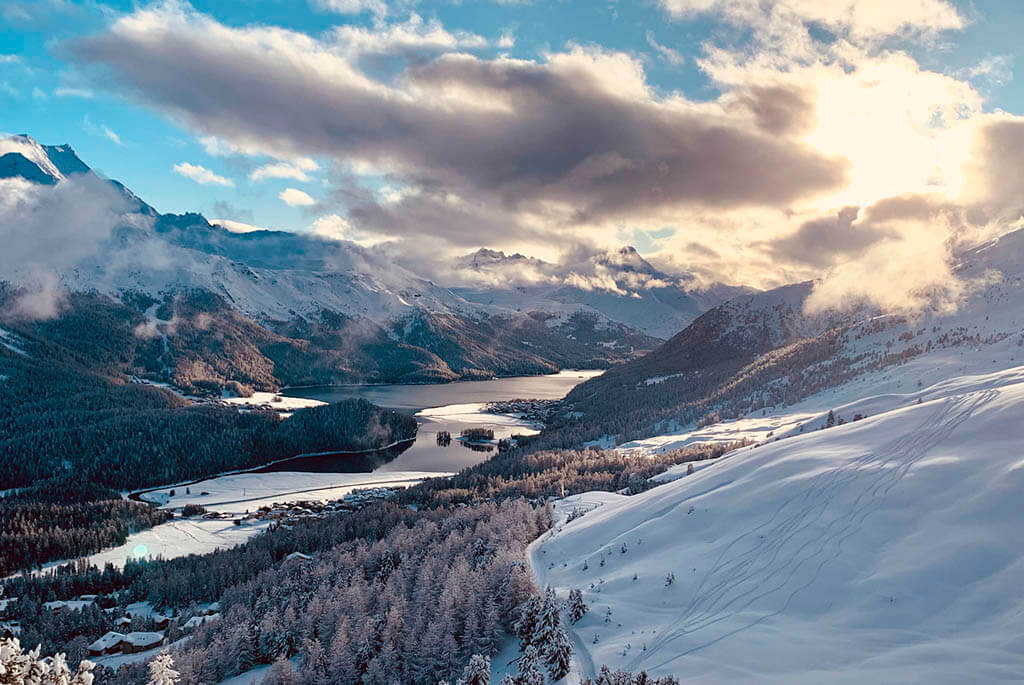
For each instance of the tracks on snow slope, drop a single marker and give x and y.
(804, 533)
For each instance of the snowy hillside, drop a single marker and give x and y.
(887, 549)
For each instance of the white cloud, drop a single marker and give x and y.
(411, 36)
(860, 19)
(293, 197)
(335, 227)
(201, 174)
(295, 171)
(9, 59)
(668, 54)
(67, 92)
(378, 8)
(110, 134)
(237, 226)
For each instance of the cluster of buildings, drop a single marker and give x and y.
(534, 411)
(290, 512)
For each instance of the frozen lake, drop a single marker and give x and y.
(451, 407)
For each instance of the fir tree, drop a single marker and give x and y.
(161, 670)
(249, 649)
(577, 607)
(477, 672)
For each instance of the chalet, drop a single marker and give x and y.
(123, 622)
(108, 644)
(197, 621)
(298, 556)
(140, 642)
(68, 605)
(160, 621)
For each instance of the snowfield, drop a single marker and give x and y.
(887, 550)
(238, 493)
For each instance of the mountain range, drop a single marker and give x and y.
(268, 308)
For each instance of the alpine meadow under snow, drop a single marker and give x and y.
(524, 343)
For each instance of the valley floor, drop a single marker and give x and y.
(886, 549)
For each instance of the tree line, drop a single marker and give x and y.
(62, 518)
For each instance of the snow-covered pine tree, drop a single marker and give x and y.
(281, 673)
(530, 670)
(525, 626)
(21, 668)
(161, 670)
(249, 648)
(315, 669)
(558, 655)
(577, 607)
(477, 671)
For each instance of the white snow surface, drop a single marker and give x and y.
(237, 493)
(886, 550)
(178, 538)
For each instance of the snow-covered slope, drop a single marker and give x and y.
(887, 549)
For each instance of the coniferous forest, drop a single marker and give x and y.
(409, 590)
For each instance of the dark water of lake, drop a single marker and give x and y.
(450, 407)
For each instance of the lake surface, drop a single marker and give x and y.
(450, 407)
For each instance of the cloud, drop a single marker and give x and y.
(378, 8)
(293, 197)
(855, 18)
(671, 56)
(413, 37)
(237, 226)
(67, 92)
(579, 136)
(45, 230)
(201, 174)
(10, 59)
(823, 242)
(111, 135)
(283, 170)
(335, 227)
(820, 156)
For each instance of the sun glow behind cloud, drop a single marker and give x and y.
(818, 115)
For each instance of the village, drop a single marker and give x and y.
(537, 412)
(136, 629)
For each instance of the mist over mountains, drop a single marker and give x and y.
(270, 308)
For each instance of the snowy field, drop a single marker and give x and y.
(238, 493)
(504, 425)
(275, 400)
(886, 550)
(178, 538)
(235, 495)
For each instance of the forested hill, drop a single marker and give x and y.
(70, 417)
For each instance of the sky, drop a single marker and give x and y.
(754, 142)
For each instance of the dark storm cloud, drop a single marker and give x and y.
(828, 240)
(779, 109)
(995, 172)
(502, 132)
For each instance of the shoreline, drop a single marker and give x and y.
(136, 495)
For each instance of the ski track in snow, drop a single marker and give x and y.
(765, 560)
